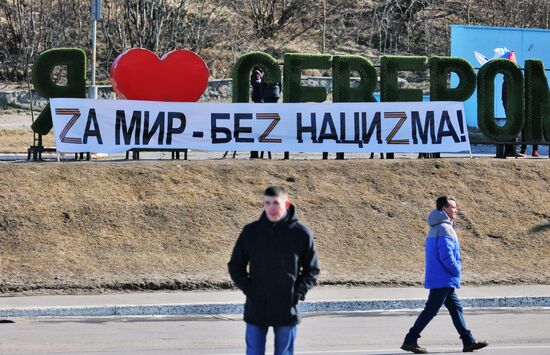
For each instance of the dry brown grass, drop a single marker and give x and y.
(154, 225)
(19, 140)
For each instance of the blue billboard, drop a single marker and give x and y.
(527, 43)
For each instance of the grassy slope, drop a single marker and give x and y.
(173, 224)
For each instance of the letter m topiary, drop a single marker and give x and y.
(537, 103)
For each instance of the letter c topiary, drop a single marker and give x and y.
(242, 69)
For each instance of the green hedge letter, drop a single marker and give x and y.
(242, 69)
(389, 87)
(440, 68)
(514, 100)
(342, 65)
(293, 91)
(74, 60)
(537, 103)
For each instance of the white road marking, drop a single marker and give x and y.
(393, 351)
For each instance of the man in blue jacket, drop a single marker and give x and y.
(274, 262)
(443, 271)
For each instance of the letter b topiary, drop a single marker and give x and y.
(342, 65)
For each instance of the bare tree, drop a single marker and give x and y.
(268, 17)
(221, 30)
(28, 27)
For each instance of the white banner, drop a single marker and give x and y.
(109, 126)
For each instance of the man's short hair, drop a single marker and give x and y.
(443, 201)
(275, 191)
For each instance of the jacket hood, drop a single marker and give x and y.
(438, 217)
(287, 220)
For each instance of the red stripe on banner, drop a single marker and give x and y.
(71, 122)
(276, 118)
(399, 141)
(402, 118)
(67, 111)
(274, 115)
(395, 116)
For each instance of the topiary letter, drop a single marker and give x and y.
(293, 91)
(514, 100)
(75, 61)
(389, 67)
(537, 103)
(242, 69)
(440, 68)
(342, 65)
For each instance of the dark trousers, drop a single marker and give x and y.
(256, 337)
(437, 298)
(524, 148)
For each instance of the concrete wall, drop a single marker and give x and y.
(217, 90)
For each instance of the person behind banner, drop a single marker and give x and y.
(510, 149)
(263, 92)
(274, 262)
(257, 83)
(442, 277)
(271, 93)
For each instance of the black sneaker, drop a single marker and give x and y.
(476, 345)
(415, 348)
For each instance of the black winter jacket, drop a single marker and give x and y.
(283, 266)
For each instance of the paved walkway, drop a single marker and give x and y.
(241, 155)
(320, 299)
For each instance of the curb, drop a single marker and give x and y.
(237, 308)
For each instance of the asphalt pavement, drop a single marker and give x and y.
(509, 331)
(322, 299)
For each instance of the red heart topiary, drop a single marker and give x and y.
(139, 74)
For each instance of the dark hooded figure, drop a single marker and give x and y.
(274, 262)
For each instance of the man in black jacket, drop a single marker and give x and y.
(280, 254)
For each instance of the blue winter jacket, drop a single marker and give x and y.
(443, 261)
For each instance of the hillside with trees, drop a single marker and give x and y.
(222, 30)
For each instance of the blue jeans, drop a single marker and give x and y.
(255, 339)
(437, 298)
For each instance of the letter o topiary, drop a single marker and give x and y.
(293, 91)
(342, 65)
(75, 61)
(514, 99)
(537, 103)
(440, 68)
(241, 73)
